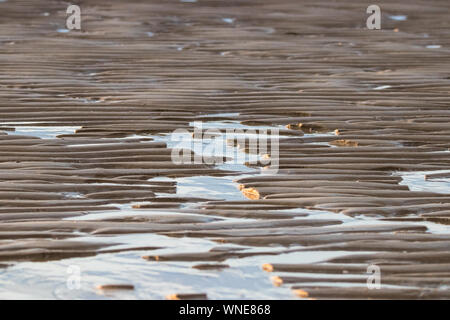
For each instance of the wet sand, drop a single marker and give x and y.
(87, 180)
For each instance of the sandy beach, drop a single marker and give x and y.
(355, 174)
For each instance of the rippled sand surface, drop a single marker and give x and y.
(88, 186)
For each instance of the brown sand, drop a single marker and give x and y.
(310, 66)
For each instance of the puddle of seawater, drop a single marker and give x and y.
(434, 227)
(72, 195)
(398, 17)
(416, 181)
(154, 280)
(218, 144)
(82, 99)
(41, 131)
(224, 115)
(382, 87)
(231, 124)
(214, 188)
(229, 20)
(138, 138)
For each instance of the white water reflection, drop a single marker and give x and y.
(245, 278)
(222, 115)
(229, 20)
(220, 145)
(382, 87)
(42, 132)
(398, 17)
(418, 181)
(214, 188)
